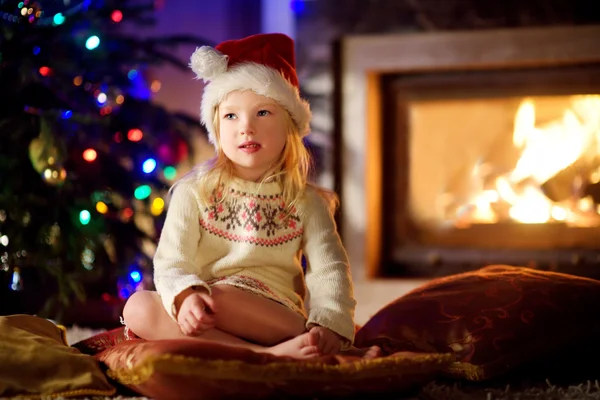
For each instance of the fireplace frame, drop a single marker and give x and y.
(360, 62)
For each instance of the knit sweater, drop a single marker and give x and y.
(248, 234)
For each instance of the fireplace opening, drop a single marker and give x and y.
(490, 167)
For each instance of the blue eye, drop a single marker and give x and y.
(263, 113)
(229, 116)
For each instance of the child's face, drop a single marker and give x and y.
(252, 132)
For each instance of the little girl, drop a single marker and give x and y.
(228, 263)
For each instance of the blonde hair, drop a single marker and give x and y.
(290, 171)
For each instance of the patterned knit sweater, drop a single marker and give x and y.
(248, 234)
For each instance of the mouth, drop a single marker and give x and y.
(249, 146)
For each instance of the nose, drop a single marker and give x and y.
(247, 127)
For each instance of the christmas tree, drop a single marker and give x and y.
(86, 157)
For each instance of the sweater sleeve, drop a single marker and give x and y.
(331, 299)
(174, 260)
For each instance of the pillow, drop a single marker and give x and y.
(36, 361)
(102, 341)
(194, 369)
(494, 320)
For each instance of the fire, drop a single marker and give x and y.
(557, 160)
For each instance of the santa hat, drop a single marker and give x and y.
(263, 63)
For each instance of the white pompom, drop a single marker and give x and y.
(208, 63)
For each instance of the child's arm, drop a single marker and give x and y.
(175, 268)
(331, 303)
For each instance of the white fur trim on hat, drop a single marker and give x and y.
(262, 80)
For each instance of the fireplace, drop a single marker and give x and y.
(461, 149)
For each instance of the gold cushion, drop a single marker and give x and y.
(36, 361)
(193, 369)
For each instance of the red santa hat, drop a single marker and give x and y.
(263, 63)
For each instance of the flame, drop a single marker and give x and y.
(544, 151)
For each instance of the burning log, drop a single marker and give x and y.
(571, 182)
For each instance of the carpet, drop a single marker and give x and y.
(540, 391)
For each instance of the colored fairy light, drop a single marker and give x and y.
(135, 135)
(124, 293)
(297, 6)
(120, 99)
(87, 259)
(92, 42)
(77, 81)
(142, 192)
(101, 207)
(16, 284)
(127, 214)
(170, 173)
(85, 217)
(44, 71)
(155, 86)
(36, 50)
(116, 16)
(90, 155)
(66, 114)
(105, 110)
(132, 74)
(101, 98)
(58, 19)
(135, 276)
(157, 207)
(149, 165)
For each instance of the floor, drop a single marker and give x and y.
(373, 295)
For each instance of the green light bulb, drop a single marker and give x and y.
(141, 192)
(85, 217)
(170, 173)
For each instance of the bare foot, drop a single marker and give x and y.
(372, 352)
(366, 353)
(301, 347)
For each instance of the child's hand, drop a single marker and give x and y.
(196, 314)
(329, 342)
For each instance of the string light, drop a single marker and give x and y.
(135, 135)
(101, 98)
(90, 155)
(41, 20)
(149, 165)
(155, 86)
(135, 276)
(116, 16)
(45, 71)
(126, 214)
(58, 19)
(101, 207)
(92, 42)
(157, 206)
(142, 192)
(85, 217)
(170, 173)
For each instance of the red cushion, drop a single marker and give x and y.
(103, 341)
(494, 320)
